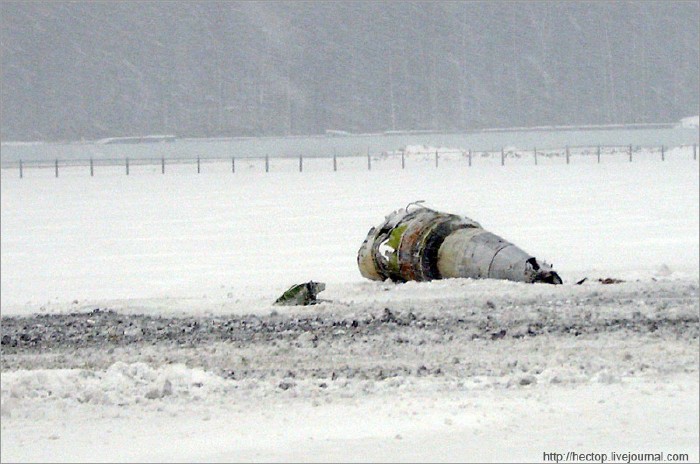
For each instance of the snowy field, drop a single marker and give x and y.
(138, 322)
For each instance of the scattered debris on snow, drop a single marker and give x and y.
(610, 280)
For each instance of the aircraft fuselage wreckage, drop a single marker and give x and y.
(419, 243)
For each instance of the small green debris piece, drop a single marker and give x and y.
(301, 294)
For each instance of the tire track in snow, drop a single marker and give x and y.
(652, 328)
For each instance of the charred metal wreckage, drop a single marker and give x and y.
(420, 243)
(301, 294)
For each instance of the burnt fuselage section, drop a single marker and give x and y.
(419, 243)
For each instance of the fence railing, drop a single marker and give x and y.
(426, 156)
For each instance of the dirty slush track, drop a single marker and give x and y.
(570, 337)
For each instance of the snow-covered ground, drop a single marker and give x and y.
(691, 122)
(549, 137)
(138, 322)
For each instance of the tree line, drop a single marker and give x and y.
(86, 70)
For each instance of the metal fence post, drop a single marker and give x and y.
(630, 149)
(695, 151)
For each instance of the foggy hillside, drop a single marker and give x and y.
(96, 69)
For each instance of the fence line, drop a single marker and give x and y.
(567, 152)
